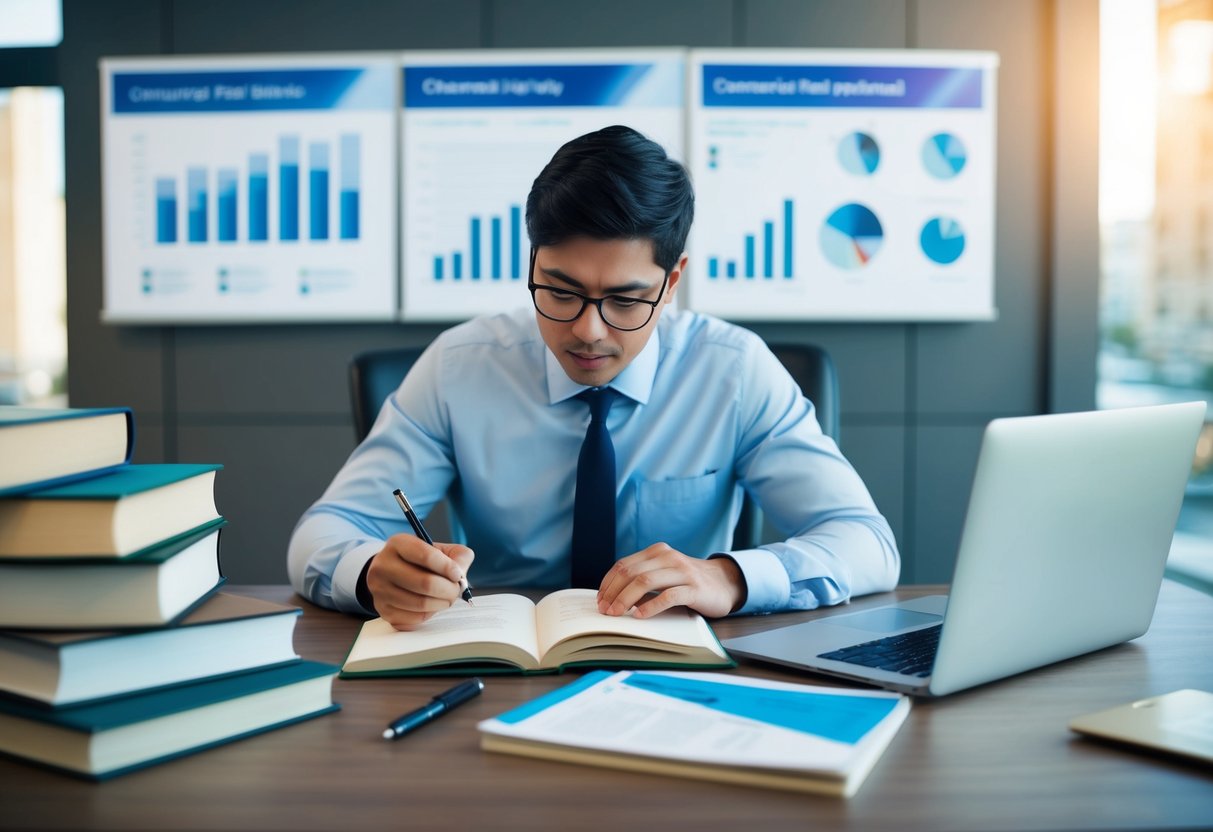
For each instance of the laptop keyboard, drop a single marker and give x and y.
(911, 653)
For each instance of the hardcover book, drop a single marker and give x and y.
(225, 634)
(150, 590)
(120, 735)
(44, 446)
(112, 515)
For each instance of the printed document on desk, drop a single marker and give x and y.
(708, 726)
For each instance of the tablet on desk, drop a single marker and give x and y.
(1180, 722)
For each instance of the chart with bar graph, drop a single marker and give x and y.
(477, 128)
(250, 189)
(842, 185)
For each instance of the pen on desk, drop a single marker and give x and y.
(440, 704)
(420, 531)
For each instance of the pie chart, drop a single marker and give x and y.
(942, 240)
(859, 154)
(851, 236)
(944, 155)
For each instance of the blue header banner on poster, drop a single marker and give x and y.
(252, 90)
(577, 85)
(781, 85)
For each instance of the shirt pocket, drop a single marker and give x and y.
(691, 514)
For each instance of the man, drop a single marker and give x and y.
(494, 415)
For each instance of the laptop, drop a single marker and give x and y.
(1069, 523)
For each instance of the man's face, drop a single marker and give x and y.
(591, 352)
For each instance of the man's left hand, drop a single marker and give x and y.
(659, 577)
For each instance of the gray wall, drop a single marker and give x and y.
(271, 404)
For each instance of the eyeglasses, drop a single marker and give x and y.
(617, 311)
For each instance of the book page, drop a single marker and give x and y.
(496, 626)
(573, 613)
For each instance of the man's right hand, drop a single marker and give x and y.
(410, 580)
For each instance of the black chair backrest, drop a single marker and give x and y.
(376, 374)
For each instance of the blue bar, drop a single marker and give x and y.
(515, 242)
(318, 191)
(226, 200)
(166, 210)
(258, 197)
(749, 255)
(731, 268)
(196, 204)
(787, 238)
(288, 188)
(350, 176)
(474, 233)
(713, 267)
(495, 235)
(457, 266)
(438, 267)
(768, 249)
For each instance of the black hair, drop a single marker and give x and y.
(613, 184)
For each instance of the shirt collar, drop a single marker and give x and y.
(635, 382)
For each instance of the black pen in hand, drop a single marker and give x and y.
(440, 704)
(420, 531)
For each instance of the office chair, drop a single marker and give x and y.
(376, 374)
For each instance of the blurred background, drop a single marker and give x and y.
(914, 398)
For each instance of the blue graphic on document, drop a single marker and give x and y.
(859, 154)
(944, 155)
(842, 718)
(851, 236)
(942, 240)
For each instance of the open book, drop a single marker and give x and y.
(510, 633)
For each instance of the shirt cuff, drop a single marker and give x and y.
(345, 578)
(767, 585)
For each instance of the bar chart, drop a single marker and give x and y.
(761, 252)
(504, 250)
(476, 130)
(241, 189)
(253, 181)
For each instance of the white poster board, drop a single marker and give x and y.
(843, 185)
(477, 129)
(249, 188)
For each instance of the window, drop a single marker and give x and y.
(1155, 174)
(30, 23)
(33, 326)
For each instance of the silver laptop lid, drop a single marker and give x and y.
(1067, 532)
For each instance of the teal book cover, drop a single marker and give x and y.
(13, 415)
(124, 481)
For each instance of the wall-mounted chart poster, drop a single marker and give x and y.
(250, 188)
(843, 185)
(477, 129)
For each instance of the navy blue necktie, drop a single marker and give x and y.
(594, 505)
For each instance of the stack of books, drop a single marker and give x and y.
(117, 649)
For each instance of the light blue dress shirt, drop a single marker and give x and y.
(488, 418)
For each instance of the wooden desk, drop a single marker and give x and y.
(997, 757)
